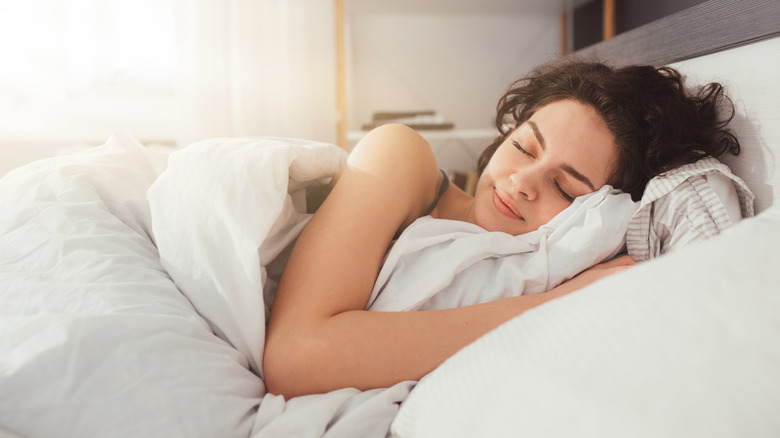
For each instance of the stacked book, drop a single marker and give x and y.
(419, 120)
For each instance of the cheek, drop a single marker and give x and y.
(549, 210)
(548, 213)
(485, 182)
(482, 194)
(496, 171)
(483, 202)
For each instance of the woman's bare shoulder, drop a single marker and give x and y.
(393, 144)
(402, 158)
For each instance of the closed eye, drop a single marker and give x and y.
(520, 148)
(565, 195)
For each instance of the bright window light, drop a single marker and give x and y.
(78, 64)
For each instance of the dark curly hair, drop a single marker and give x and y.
(657, 122)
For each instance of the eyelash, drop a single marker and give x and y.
(563, 194)
(521, 149)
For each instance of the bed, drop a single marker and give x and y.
(133, 295)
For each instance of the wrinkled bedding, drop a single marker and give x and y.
(135, 286)
(102, 334)
(685, 345)
(442, 264)
(95, 337)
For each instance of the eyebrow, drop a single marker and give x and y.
(573, 172)
(566, 168)
(537, 133)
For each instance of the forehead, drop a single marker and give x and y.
(570, 110)
(576, 135)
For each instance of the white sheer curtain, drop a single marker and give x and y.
(255, 68)
(165, 70)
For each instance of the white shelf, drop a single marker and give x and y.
(437, 134)
(455, 149)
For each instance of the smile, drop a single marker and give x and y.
(504, 205)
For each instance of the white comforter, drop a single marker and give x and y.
(130, 293)
(95, 337)
(104, 335)
(130, 290)
(442, 264)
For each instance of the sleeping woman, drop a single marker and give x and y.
(565, 131)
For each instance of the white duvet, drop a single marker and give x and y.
(134, 288)
(442, 264)
(97, 339)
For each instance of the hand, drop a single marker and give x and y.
(598, 272)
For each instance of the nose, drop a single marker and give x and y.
(524, 182)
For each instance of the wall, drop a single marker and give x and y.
(453, 56)
(456, 59)
(749, 74)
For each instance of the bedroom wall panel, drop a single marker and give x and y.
(755, 93)
(455, 63)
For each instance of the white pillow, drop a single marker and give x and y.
(687, 204)
(685, 345)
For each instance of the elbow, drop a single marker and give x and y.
(288, 366)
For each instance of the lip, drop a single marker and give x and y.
(505, 205)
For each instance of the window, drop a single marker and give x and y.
(76, 68)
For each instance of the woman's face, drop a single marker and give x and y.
(563, 151)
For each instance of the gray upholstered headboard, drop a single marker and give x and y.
(736, 43)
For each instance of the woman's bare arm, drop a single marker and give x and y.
(319, 337)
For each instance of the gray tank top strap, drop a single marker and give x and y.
(445, 183)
